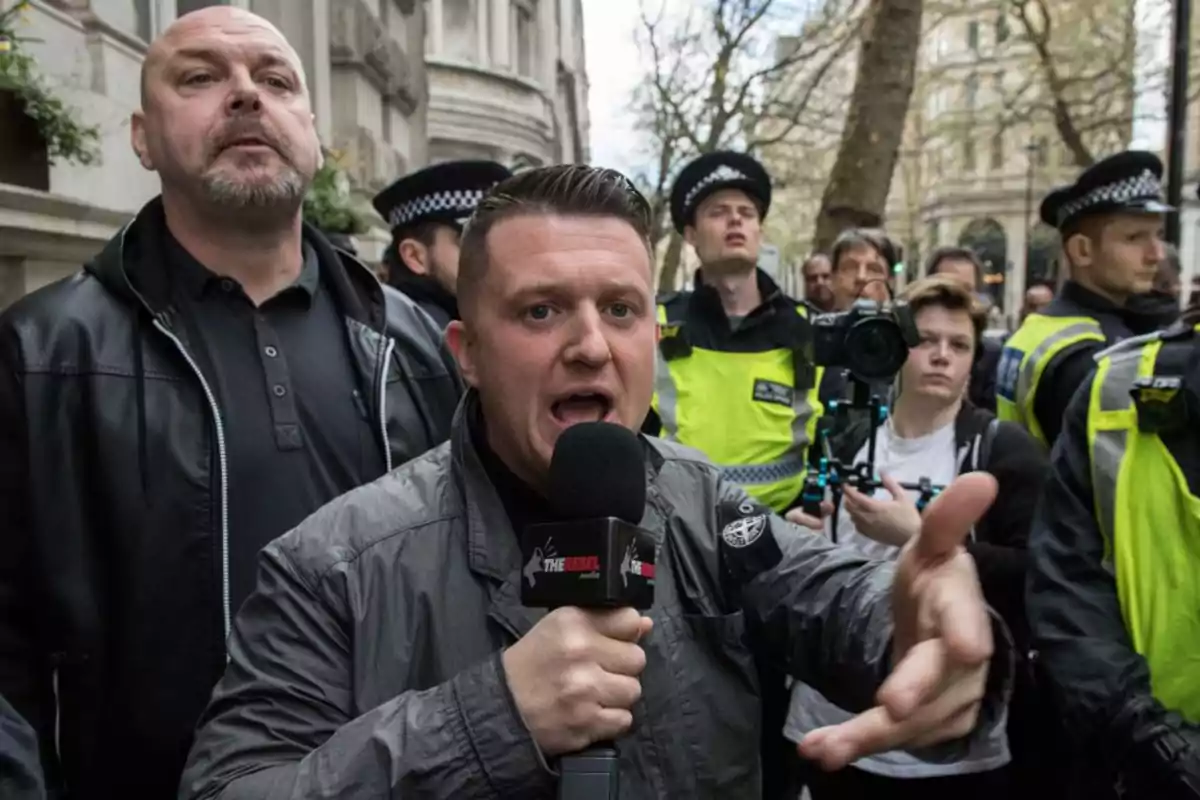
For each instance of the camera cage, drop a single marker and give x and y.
(830, 472)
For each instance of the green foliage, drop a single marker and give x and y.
(65, 137)
(329, 204)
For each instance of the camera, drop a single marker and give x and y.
(870, 340)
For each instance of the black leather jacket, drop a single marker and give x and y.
(114, 601)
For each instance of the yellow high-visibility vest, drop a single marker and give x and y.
(1150, 521)
(742, 410)
(1023, 362)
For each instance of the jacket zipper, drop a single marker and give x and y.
(383, 372)
(224, 468)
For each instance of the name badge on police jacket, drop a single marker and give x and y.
(770, 392)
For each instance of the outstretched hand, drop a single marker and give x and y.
(942, 643)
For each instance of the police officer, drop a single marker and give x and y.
(426, 211)
(1110, 221)
(1114, 588)
(735, 379)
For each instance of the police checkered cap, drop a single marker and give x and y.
(1143, 186)
(460, 201)
(722, 174)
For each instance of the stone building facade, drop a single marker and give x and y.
(507, 81)
(515, 89)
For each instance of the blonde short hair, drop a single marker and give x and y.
(944, 292)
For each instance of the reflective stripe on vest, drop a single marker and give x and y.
(1023, 361)
(1151, 527)
(743, 412)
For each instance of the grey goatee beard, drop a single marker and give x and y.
(285, 192)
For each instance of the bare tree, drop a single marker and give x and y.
(717, 79)
(858, 186)
(1088, 64)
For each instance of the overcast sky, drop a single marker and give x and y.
(613, 70)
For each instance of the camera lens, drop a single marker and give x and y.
(875, 349)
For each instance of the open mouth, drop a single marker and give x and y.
(735, 240)
(581, 407)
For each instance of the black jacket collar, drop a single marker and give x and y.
(1142, 314)
(422, 289)
(707, 300)
(133, 266)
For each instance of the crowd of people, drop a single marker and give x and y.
(262, 511)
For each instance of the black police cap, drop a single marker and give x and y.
(1128, 181)
(446, 192)
(712, 172)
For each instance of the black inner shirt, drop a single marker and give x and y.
(297, 430)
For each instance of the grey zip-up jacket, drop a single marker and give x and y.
(367, 663)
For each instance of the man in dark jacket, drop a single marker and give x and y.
(214, 376)
(387, 652)
(961, 264)
(20, 770)
(426, 211)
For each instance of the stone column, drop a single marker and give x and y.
(435, 45)
(483, 18)
(501, 21)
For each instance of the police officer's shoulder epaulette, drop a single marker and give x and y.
(1126, 345)
(675, 304)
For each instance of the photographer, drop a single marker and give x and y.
(935, 433)
(863, 259)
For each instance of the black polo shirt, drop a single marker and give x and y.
(297, 432)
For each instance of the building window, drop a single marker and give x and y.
(187, 6)
(525, 35)
(998, 151)
(972, 90)
(973, 36)
(1002, 28)
(460, 29)
(968, 154)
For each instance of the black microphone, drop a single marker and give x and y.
(595, 556)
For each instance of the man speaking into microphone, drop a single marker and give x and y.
(387, 651)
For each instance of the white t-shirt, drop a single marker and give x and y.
(932, 456)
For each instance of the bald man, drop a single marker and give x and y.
(216, 374)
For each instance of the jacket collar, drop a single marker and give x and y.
(132, 266)
(707, 300)
(493, 546)
(421, 288)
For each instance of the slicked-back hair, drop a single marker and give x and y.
(565, 190)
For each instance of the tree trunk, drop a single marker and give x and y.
(862, 175)
(670, 267)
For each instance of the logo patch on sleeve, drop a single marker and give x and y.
(744, 532)
(1008, 373)
(771, 392)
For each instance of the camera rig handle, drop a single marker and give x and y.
(833, 475)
